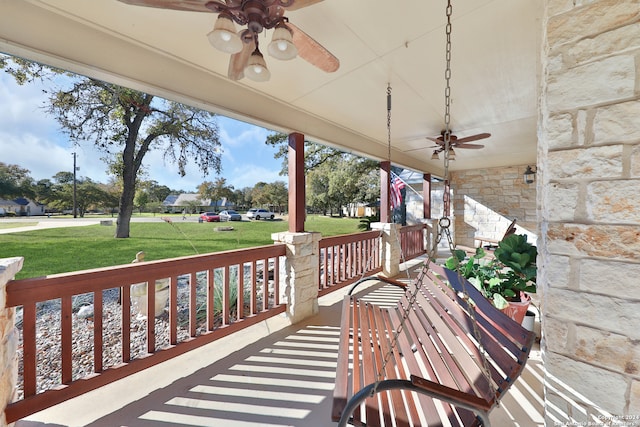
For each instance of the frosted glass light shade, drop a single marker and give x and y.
(224, 37)
(281, 46)
(256, 68)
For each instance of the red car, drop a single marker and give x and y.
(210, 217)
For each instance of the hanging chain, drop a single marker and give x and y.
(445, 222)
(447, 94)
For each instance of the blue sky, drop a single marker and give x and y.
(32, 139)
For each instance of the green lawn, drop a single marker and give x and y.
(58, 250)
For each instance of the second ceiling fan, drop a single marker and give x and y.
(455, 142)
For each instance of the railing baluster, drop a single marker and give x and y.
(276, 280)
(151, 317)
(126, 323)
(67, 339)
(210, 300)
(29, 349)
(253, 295)
(173, 311)
(226, 296)
(240, 291)
(97, 332)
(192, 305)
(265, 284)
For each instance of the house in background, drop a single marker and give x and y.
(8, 207)
(28, 207)
(192, 203)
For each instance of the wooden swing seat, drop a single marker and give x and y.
(434, 371)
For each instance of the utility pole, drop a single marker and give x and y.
(75, 211)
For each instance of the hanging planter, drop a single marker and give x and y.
(505, 280)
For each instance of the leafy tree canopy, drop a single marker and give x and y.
(125, 123)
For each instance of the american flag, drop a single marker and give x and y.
(396, 196)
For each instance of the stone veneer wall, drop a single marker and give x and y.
(589, 162)
(486, 200)
(9, 339)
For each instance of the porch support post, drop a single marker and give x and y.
(300, 274)
(390, 256)
(9, 267)
(426, 196)
(297, 202)
(385, 191)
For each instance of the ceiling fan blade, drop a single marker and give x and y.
(299, 4)
(473, 146)
(436, 140)
(189, 5)
(473, 137)
(238, 61)
(312, 51)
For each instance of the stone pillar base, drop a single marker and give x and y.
(299, 275)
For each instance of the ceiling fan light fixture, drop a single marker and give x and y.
(452, 154)
(256, 68)
(224, 37)
(281, 46)
(435, 156)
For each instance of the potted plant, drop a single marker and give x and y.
(507, 278)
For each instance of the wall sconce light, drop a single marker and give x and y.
(529, 175)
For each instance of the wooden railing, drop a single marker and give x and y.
(209, 296)
(412, 240)
(345, 259)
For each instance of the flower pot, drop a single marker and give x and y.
(529, 320)
(517, 309)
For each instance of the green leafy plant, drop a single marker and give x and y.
(503, 278)
(365, 223)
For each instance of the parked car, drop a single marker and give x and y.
(255, 213)
(230, 215)
(210, 217)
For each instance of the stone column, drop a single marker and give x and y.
(300, 274)
(9, 267)
(589, 156)
(431, 236)
(390, 256)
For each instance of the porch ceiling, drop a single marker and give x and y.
(495, 68)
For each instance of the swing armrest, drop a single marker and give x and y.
(379, 278)
(420, 385)
(453, 396)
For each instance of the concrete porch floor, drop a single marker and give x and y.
(271, 374)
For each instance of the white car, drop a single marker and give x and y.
(255, 213)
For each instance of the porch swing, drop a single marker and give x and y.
(443, 355)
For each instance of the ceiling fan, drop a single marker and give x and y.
(455, 142)
(288, 41)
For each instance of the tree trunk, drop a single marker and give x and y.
(124, 215)
(129, 173)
